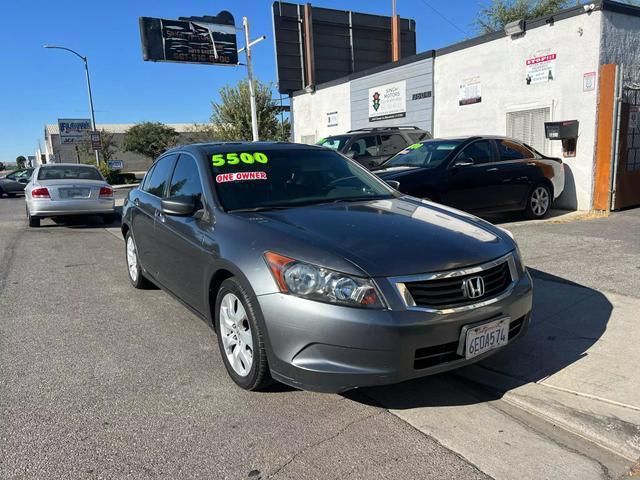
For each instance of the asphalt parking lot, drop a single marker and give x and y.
(99, 380)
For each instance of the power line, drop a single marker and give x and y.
(441, 15)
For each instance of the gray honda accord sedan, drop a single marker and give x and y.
(316, 273)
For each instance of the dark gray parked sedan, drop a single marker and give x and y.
(316, 273)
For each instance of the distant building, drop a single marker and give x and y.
(54, 152)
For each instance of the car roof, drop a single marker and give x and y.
(210, 148)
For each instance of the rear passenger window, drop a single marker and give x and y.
(416, 137)
(159, 177)
(364, 147)
(186, 179)
(510, 150)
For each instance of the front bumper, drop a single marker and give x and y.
(330, 348)
(52, 208)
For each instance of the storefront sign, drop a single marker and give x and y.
(470, 91)
(541, 69)
(74, 130)
(387, 101)
(115, 164)
(420, 95)
(332, 119)
(589, 82)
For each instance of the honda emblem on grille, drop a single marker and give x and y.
(473, 287)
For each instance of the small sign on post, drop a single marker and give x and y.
(96, 143)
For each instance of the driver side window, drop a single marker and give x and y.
(477, 153)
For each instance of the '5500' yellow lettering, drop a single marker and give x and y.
(220, 159)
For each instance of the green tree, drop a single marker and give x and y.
(107, 150)
(2, 167)
(150, 139)
(21, 161)
(201, 133)
(232, 115)
(498, 13)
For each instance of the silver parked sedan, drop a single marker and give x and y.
(62, 189)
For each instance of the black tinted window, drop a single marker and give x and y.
(291, 177)
(416, 137)
(510, 150)
(477, 152)
(390, 144)
(70, 172)
(157, 182)
(186, 179)
(364, 147)
(427, 154)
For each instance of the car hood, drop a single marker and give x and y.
(400, 236)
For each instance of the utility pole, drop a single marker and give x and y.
(86, 72)
(252, 88)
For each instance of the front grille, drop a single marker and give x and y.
(442, 293)
(435, 355)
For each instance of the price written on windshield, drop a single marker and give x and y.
(221, 159)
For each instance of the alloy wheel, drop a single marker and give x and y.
(132, 259)
(540, 201)
(236, 336)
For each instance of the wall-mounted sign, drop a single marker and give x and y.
(115, 164)
(74, 130)
(332, 119)
(388, 101)
(541, 69)
(420, 95)
(470, 91)
(589, 82)
(208, 40)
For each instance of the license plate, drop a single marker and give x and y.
(76, 192)
(487, 336)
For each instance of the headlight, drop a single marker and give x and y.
(321, 284)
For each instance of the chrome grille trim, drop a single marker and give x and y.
(399, 285)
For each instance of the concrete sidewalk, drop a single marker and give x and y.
(578, 365)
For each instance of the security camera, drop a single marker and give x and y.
(590, 7)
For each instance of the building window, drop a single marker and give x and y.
(528, 127)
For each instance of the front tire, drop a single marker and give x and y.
(134, 270)
(240, 337)
(538, 202)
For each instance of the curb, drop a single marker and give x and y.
(608, 425)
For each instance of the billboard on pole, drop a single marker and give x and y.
(204, 40)
(74, 130)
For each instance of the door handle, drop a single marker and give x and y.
(532, 164)
(160, 216)
(136, 202)
(494, 169)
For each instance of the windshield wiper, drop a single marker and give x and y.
(258, 209)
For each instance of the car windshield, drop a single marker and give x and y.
(335, 143)
(283, 178)
(69, 172)
(430, 154)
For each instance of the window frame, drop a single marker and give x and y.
(173, 172)
(152, 169)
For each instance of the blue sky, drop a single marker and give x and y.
(37, 86)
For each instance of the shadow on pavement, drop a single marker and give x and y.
(568, 319)
(82, 221)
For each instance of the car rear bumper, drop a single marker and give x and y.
(52, 208)
(330, 348)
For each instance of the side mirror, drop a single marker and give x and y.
(183, 205)
(393, 184)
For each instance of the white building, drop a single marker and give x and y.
(500, 84)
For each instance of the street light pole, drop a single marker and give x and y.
(252, 88)
(86, 71)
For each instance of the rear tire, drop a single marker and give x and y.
(33, 221)
(11, 194)
(1, 192)
(538, 202)
(134, 270)
(240, 337)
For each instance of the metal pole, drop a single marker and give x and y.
(247, 51)
(93, 114)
